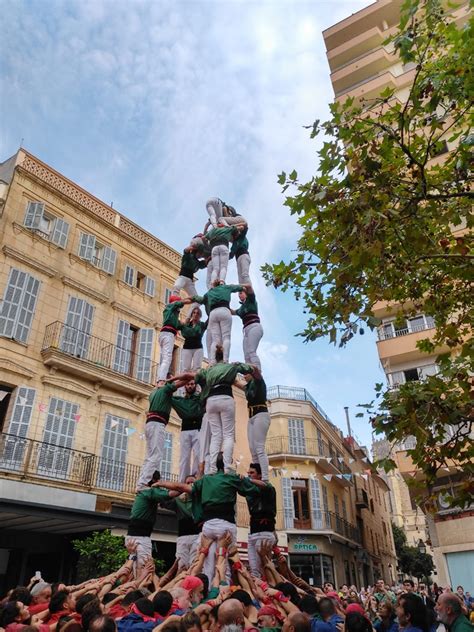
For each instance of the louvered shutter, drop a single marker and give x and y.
(34, 214)
(111, 474)
(11, 302)
(145, 350)
(296, 436)
(129, 275)
(60, 232)
(55, 456)
(87, 246)
(315, 499)
(123, 356)
(149, 286)
(13, 447)
(76, 332)
(108, 260)
(288, 505)
(167, 460)
(27, 309)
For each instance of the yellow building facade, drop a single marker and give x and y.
(332, 507)
(362, 66)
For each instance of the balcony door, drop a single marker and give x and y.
(14, 443)
(316, 510)
(301, 504)
(55, 455)
(111, 474)
(296, 437)
(77, 329)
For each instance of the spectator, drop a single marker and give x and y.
(41, 594)
(269, 619)
(462, 596)
(191, 622)
(357, 622)
(62, 604)
(408, 586)
(21, 593)
(329, 617)
(140, 619)
(411, 613)
(231, 612)
(449, 611)
(102, 623)
(162, 603)
(296, 622)
(15, 617)
(195, 588)
(381, 592)
(387, 618)
(181, 600)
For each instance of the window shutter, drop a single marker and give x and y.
(60, 232)
(288, 506)
(123, 347)
(167, 460)
(55, 455)
(296, 436)
(34, 214)
(86, 246)
(111, 474)
(11, 302)
(108, 260)
(315, 499)
(13, 448)
(149, 286)
(129, 275)
(27, 309)
(76, 333)
(145, 350)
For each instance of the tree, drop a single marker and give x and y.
(410, 560)
(99, 554)
(382, 221)
(399, 539)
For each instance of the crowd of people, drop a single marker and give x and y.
(183, 600)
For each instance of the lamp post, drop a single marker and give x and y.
(421, 546)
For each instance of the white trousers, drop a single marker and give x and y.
(186, 284)
(252, 335)
(204, 443)
(220, 326)
(215, 529)
(155, 441)
(144, 551)
(189, 453)
(257, 430)
(255, 541)
(220, 411)
(216, 214)
(166, 340)
(191, 359)
(243, 269)
(220, 263)
(186, 549)
(209, 275)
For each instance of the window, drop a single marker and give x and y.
(412, 375)
(288, 508)
(13, 448)
(316, 510)
(55, 455)
(129, 276)
(133, 351)
(314, 569)
(126, 341)
(167, 460)
(98, 254)
(135, 278)
(149, 286)
(344, 509)
(145, 350)
(325, 499)
(45, 224)
(301, 503)
(111, 474)
(296, 438)
(18, 306)
(167, 295)
(336, 504)
(76, 332)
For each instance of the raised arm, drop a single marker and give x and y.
(174, 487)
(183, 377)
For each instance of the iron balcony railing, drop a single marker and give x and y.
(388, 332)
(294, 392)
(321, 520)
(310, 447)
(81, 345)
(36, 460)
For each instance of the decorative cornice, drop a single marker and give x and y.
(72, 191)
(99, 296)
(17, 369)
(120, 307)
(120, 402)
(68, 385)
(32, 263)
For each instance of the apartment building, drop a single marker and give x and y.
(362, 65)
(331, 505)
(82, 291)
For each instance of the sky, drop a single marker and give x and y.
(157, 105)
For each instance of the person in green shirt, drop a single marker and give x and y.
(240, 250)
(168, 333)
(219, 239)
(217, 304)
(142, 521)
(216, 384)
(191, 262)
(190, 410)
(449, 609)
(262, 510)
(253, 331)
(192, 331)
(222, 213)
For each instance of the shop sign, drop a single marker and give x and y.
(303, 545)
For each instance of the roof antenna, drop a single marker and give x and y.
(21, 143)
(346, 410)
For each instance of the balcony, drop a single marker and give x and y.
(298, 394)
(322, 453)
(78, 353)
(373, 62)
(320, 521)
(362, 499)
(371, 87)
(39, 462)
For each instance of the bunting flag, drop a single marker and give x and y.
(113, 424)
(365, 477)
(76, 417)
(446, 469)
(340, 459)
(270, 468)
(317, 459)
(296, 474)
(328, 459)
(130, 431)
(348, 477)
(141, 436)
(274, 473)
(364, 459)
(328, 477)
(351, 460)
(41, 407)
(312, 476)
(338, 475)
(283, 471)
(368, 472)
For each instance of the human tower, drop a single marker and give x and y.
(204, 498)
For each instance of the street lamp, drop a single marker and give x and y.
(421, 546)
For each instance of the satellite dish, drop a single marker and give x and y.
(443, 501)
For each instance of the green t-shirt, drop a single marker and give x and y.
(190, 410)
(219, 235)
(171, 314)
(256, 392)
(220, 373)
(190, 264)
(161, 399)
(220, 489)
(145, 505)
(240, 245)
(217, 295)
(249, 306)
